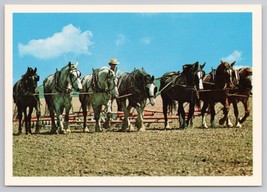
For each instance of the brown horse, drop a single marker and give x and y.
(25, 95)
(181, 87)
(140, 87)
(216, 89)
(244, 89)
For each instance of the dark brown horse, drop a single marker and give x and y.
(26, 95)
(181, 87)
(139, 86)
(216, 89)
(243, 83)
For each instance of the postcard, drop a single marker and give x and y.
(133, 95)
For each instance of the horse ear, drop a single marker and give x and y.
(221, 62)
(35, 69)
(232, 64)
(76, 64)
(69, 64)
(203, 65)
(195, 66)
(152, 78)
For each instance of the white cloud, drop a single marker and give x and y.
(146, 40)
(120, 40)
(69, 40)
(235, 56)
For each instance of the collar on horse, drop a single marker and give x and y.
(58, 85)
(95, 83)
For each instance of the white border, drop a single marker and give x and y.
(255, 180)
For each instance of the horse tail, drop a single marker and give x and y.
(168, 103)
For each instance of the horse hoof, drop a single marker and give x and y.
(54, 131)
(98, 130)
(68, 131)
(221, 121)
(86, 130)
(213, 126)
(142, 130)
(204, 126)
(238, 125)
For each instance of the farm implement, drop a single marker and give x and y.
(76, 118)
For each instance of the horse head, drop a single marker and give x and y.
(112, 83)
(212, 74)
(30, 79)
(73, 76)
(106, 81)
(224, 75)
(199, 74)
(147, 81)
(194, 74)
(243, 78)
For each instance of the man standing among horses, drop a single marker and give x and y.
(113, 66)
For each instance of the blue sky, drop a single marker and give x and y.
(158, 42)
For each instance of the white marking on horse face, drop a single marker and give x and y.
(200, 78)
(151, 89)
(229, 71)
(76, 80)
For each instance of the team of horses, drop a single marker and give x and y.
(132, 90)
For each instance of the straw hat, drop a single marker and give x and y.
(113, 61)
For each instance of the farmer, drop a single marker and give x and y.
(113, 66)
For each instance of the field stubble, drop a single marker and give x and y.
(156, 152)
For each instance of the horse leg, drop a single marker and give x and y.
(54, 129)
(38, 114)
(107, 123)
(237, 124)
(190, 114)
(84, 105)
(126, 125)
(247, 110)
(139, 121)
(29, 119)
(181, 114)
(26, 120)
(66, 120)
(84, 108)
(59, 111)
(212, 115)
(165, 113)
(97, 110)
(20, 120)
(203, 114)
(225, 111)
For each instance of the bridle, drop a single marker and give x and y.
(106, 89)
(59, 86)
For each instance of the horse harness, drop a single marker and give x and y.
(58, 84)
(95, 83)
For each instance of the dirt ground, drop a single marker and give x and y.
(156, 152)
